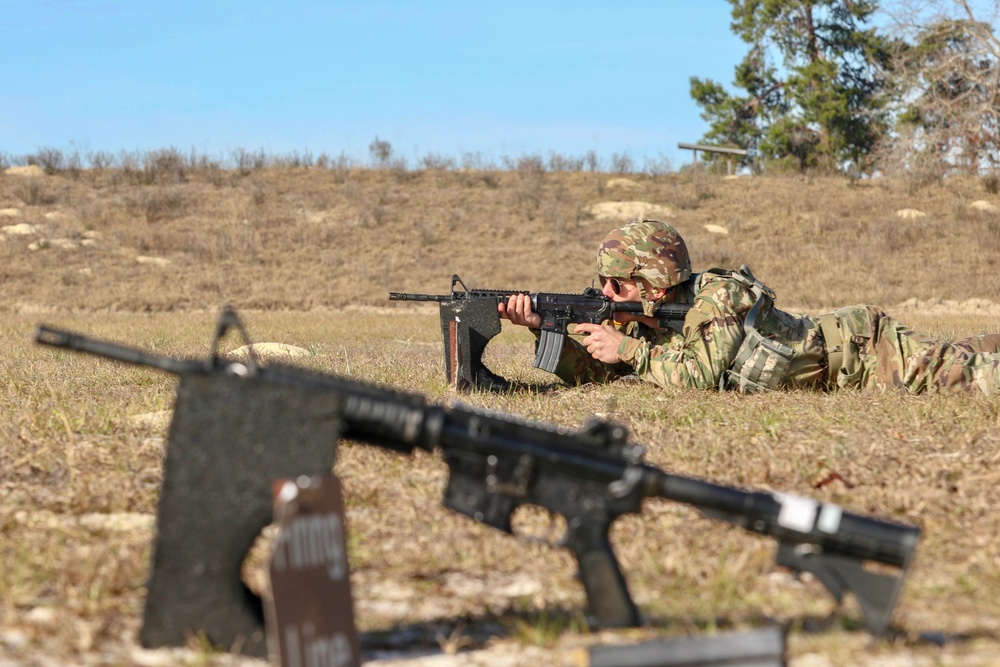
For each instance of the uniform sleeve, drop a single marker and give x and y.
(713, 332)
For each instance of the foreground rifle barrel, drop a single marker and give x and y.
(590, 476)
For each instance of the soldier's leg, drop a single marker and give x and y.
(988, 343)
(889, 353)
(917, 362)
(966, 364)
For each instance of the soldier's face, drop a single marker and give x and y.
(619, 289)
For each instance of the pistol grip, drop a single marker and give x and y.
(609, 604)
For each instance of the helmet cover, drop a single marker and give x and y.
(648, 249)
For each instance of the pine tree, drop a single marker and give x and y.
(820, 103)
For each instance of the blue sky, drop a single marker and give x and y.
(445, 77)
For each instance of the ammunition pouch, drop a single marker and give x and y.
(760, 363)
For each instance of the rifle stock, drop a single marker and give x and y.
(590, 476)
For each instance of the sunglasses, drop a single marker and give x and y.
(616, 286)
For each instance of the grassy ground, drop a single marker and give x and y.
(83, 438)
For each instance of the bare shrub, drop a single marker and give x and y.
(622, 163)
(49, 159)
(100, 160)
(164, 166)
(37, 191)
(477, 162)
(491, 179)
(157, 204)
(531, 163)
(659, 166)
(436, 162)
(558, 162)
(786, 166)
(291, 160)
(527, 197)
(380, 152)
(247, 162)
(991, 183)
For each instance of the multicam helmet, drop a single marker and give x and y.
(647, 249)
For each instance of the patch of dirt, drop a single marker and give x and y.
(628, 210)
(623, 183)
(30, 170)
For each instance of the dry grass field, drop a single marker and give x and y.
(307, 256)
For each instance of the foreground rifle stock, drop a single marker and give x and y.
(469, 319)
(590, 476)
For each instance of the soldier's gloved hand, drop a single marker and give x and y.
(518, 311)
(601, 341)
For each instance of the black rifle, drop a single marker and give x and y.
(589, 476)
(469, 319)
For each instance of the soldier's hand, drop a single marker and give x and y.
(601, 341)
(518, 311)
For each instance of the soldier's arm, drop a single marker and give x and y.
(713, 332)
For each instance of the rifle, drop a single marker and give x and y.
(590, 476)
(469, 319)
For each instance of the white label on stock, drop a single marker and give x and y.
(797, 513)
(829, 518)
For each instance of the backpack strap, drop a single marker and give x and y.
(833, 341)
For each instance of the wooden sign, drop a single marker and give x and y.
(310, 616)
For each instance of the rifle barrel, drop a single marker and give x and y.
(799, 519)
(57, 338)
(403, 296)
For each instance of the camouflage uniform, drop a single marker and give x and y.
(862, 345)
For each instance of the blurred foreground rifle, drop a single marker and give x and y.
(469, 319)
(590, 476)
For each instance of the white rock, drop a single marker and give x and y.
(982, 205)
(910, 213)
(41, 616)
(118, 522)
(30, 170)
(629, 210)
(154, 261)
(21, 229)
(14, 639)
(154, 420)
(273, 349)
